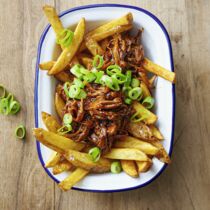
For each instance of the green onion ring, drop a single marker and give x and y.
(98, 61)
(98, 75)
(67, 37)
(78, 83)
(126, 90)
(135, 93)
(4, 106)
(95, 154)
(20, 132)
(81, 95)
(128, 78)
(90, 77)
(14, 107)
(128, 101)
(113, 69)
(66, 88)
(76, 70)
(121, 78)
(135, 83)
(148, 102)
(74, 91)
(2, 92)
(116, 167)
(67, 119)
(137, 117)
(64, 129)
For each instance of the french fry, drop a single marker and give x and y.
(63, 77)
(145, 90)
(86, 61)
(50, 122)
(46, 65)
(158, 70)
(115, 26)
(53, 160)
(56, 142)
(69, 52)
(93, 47)
(156, 132)
(59, 105)
(83, 160)
(110, 28)
(150, 118)
(131, 142)
(162, 155)
(126, 154)
(143, 166)
(77, 175)
(62, 166)
(129, 167)
(53, 19)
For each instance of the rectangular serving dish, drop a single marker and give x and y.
(157, 47)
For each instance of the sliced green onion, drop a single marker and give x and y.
(121, 78)
(10, 97)
(67, 119)
(148, 102)
(135, 82)
(126, 90)
(112, 83)
(98, 75)
(76, 70)
(137, 117)
(78, 83)
(84, 71)
(90, 77)
(4, 106)
(65, 38)
(64, 129)
(116, 167)
(20, 132)
(81, 95)
(128, 78)
(74, 91)
(66, 88)
(128, 101)
(98, 61)
(135, 93)
(95, 154)
(113, 69)
(14, 107)
(2, 92)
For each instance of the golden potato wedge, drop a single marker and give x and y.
(141, 131)
(100, 35)
(63, 77)
(53, 19)
(162, 155)
(156, 132)
(59, 105)
(53, 160)
(86, 61)
(131, 142)
(158, 70)
(83, 160)
(129, 167)
(50, 122)
(143, 166)
(46, 65)
(77, 175)
(93, 47)
(126, 154)
(56, 142)
(150, 118)
(62, 166)
(145, 90)
(69, 52)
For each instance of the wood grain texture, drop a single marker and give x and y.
(184, 184)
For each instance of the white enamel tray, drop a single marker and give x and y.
(157, 48)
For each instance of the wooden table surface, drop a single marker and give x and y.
(185, 184)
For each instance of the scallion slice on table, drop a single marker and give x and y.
(20, 132)
(116, 167)
(14, 107)
(95, 154)
(2, 92)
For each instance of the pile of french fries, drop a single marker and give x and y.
(134, 154)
